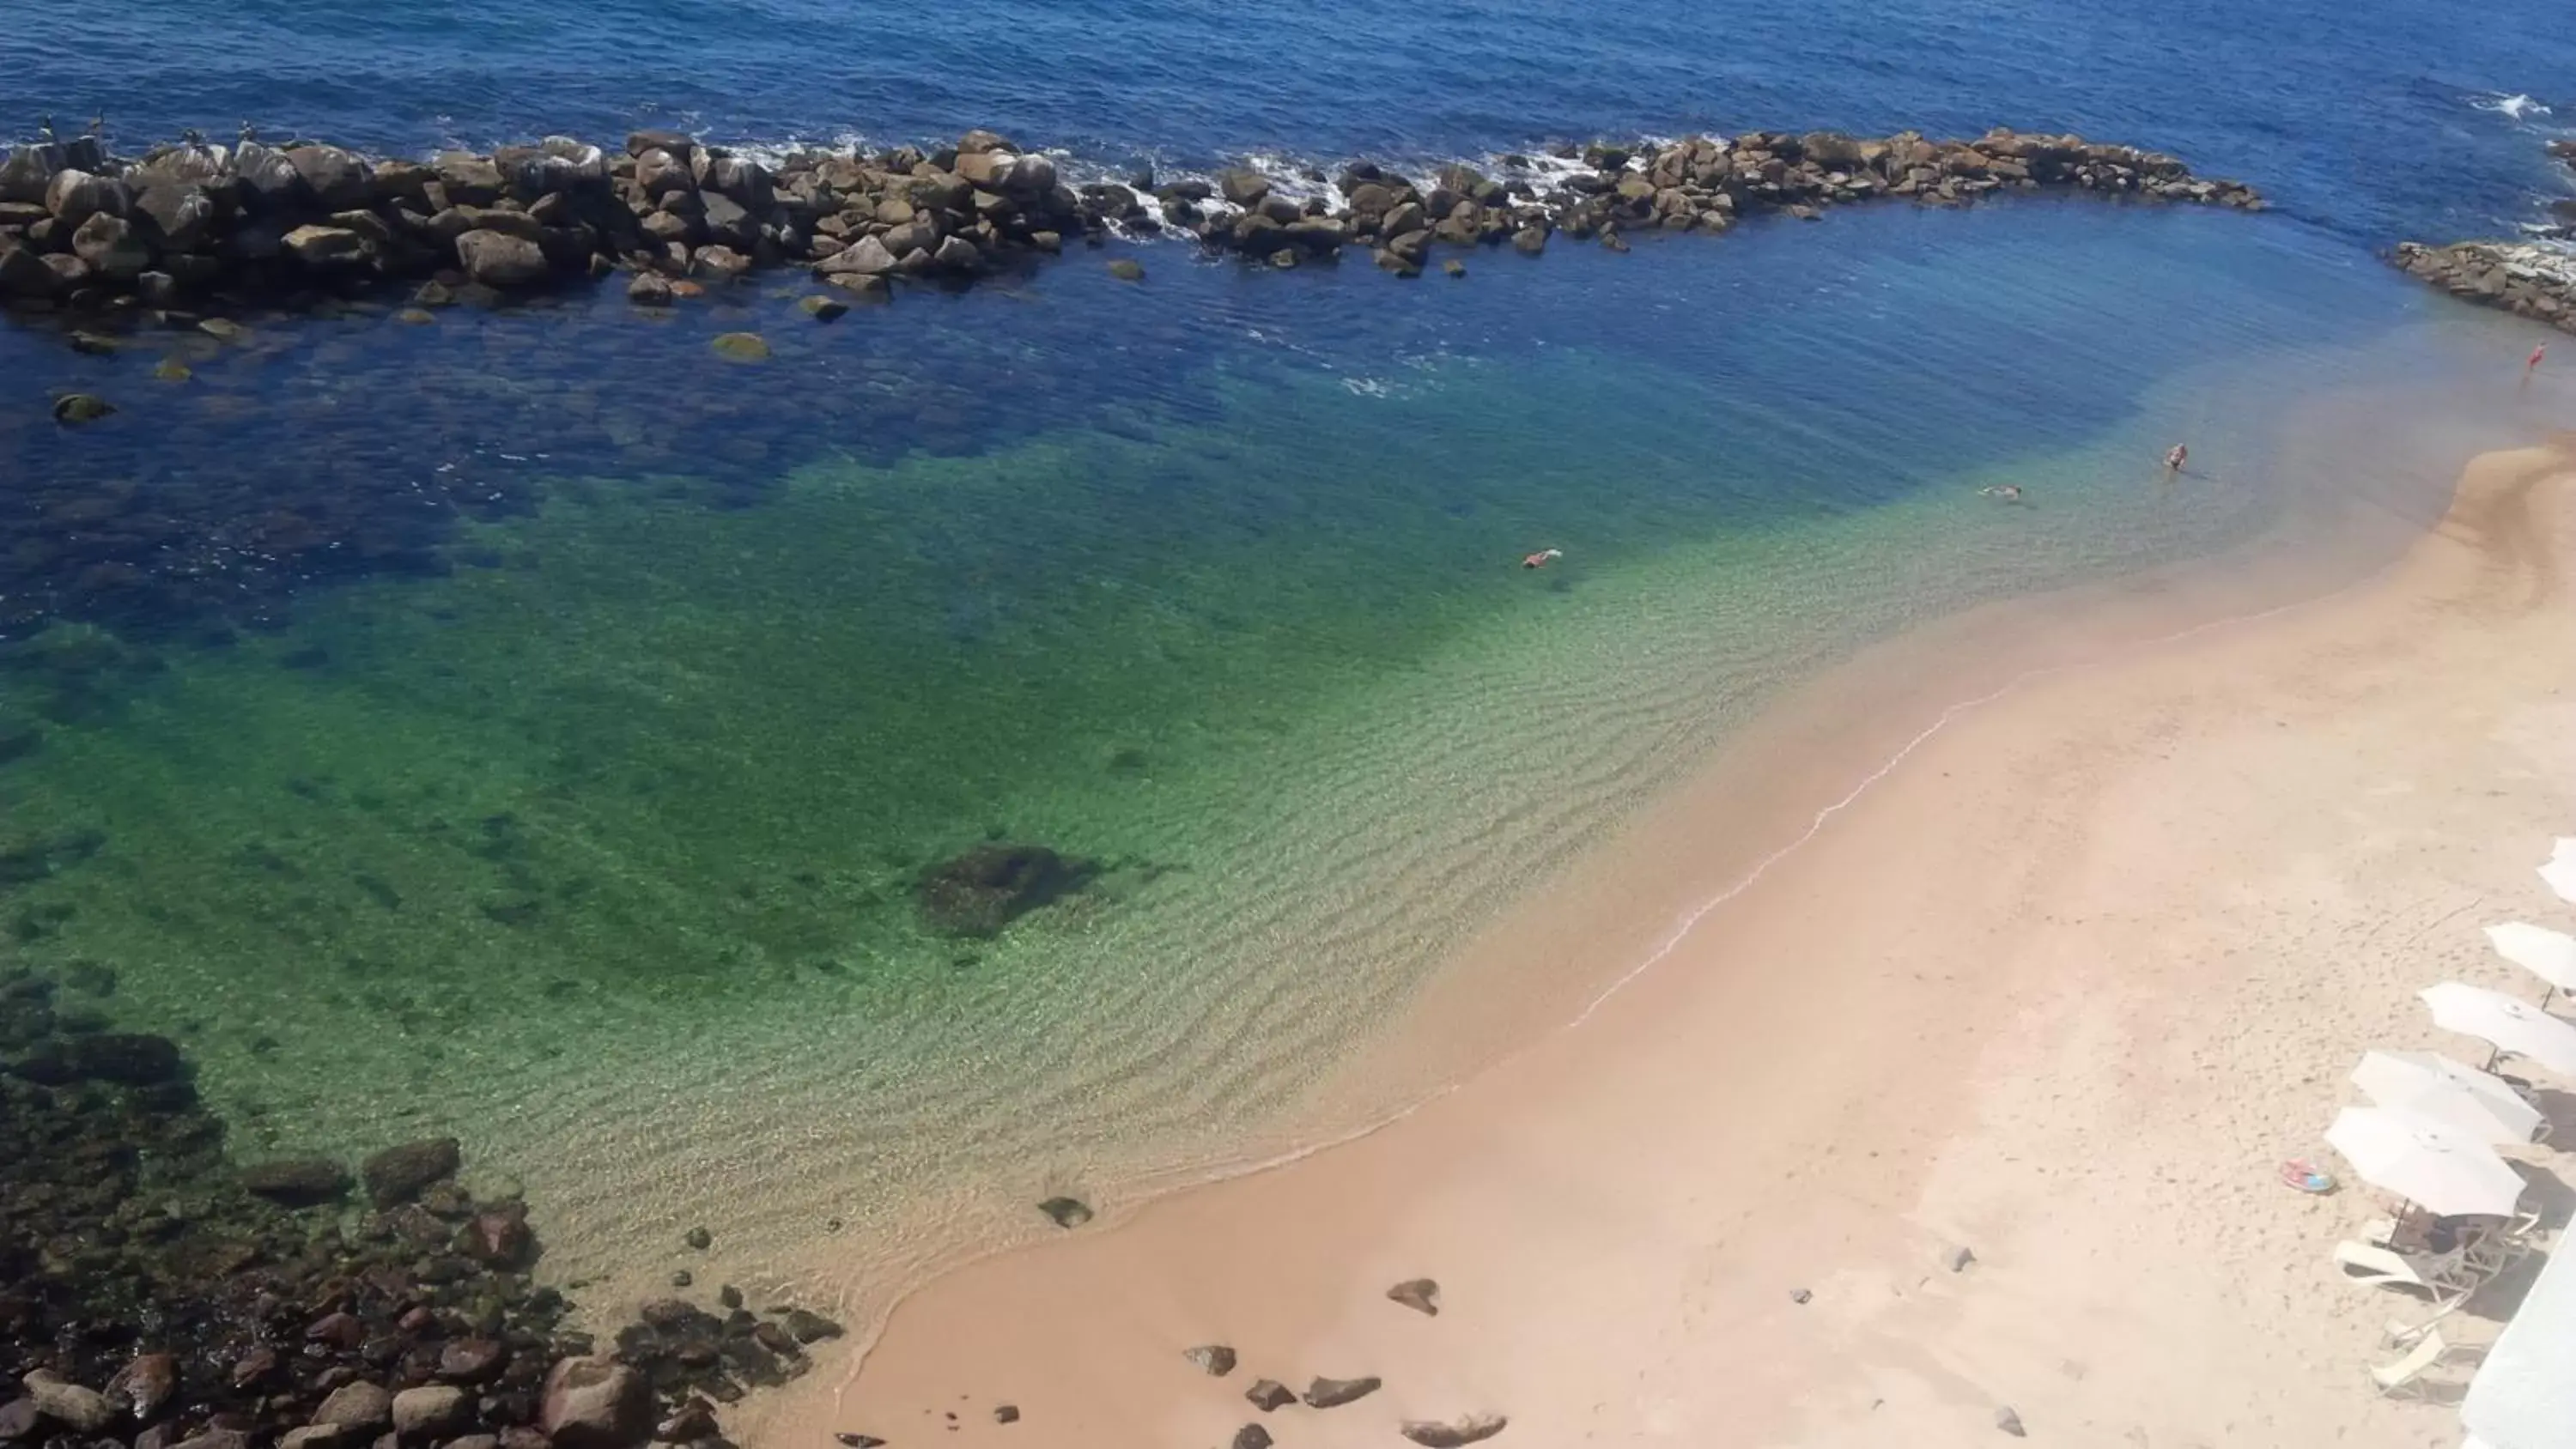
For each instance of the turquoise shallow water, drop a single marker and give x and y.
(580, 813)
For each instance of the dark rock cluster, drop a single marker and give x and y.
(153, 1293)
(198, 226)
(1696, 184)
(2531, 279)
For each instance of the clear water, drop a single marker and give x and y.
(530, 726)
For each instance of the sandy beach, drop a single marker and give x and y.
(2060, 987)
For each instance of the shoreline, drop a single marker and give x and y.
(895, 1362)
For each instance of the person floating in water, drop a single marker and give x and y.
(1542, 558)
(2175, 457)
(2005, 492)
(2531, 364)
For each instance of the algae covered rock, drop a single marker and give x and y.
(990, 886)
(741, 347)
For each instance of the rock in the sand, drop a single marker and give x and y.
(595, 1403)
(361, 1405)
(741, 347)
(297, 1181)
(1422, 1295)
(80, 407)
(1470, 1429)
(2010, 1422)
(397, 1174)
(1127, 269)
(859, 1441)
(823, 309)
(1215, 1360)
(1333, 1393)
(1957, 1259)
(807, 1327)
(1800, 1295)
(1269, 1395)
(140, 1388)
(499, 259)
(83, 1410)
(986, 888)
(1006, 1413)
(698, 1237)
(1251, 1436)
(1068, 1212)
(429, 1412)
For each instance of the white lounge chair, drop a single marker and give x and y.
(2406, 1375)
(2444, 1279)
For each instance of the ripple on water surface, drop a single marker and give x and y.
(590, 827)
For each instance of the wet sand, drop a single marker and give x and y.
(2061, 986)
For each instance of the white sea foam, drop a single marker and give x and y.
(2513, 107)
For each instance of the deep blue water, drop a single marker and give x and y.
(2378, 119)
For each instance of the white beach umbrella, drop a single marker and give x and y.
(2442, 1090)
(2424, 1162)
(2547, 954)
(2560, 873)
(2514, 1026)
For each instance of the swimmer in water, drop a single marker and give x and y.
(2004, 492)
(1542, 558)
(2531, 364)
(2175, 457)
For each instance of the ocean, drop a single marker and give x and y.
(533, 728)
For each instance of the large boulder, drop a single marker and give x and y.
(986, 168)
(361, 1406)
(76, 196)
(397, 1174)
(297, 1181)
(326, 247)
(23, 274)
(498, 259)
(660, 173)
(725, 220)
(1243, 186)
(268, 181)
(469, 180)
(338, 180)
(82, 1410)
(866, 257)
(432, 1411)
(109, 1056)
(959, 256)
(27, 173)
(988, 887)
(595, 1403)
(179, 213)
(112, 246)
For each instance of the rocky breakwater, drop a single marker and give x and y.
(2532, 279)
(1699, 183)
(198, 227)
(158, 1294)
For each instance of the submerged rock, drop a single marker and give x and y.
(988, 887)
(1127, 269)
(81, 407)
(595, 1403)
(1068, 1212)
(297, 1181)
(741, 347)
(397, 1174)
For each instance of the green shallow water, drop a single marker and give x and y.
(599, 849)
